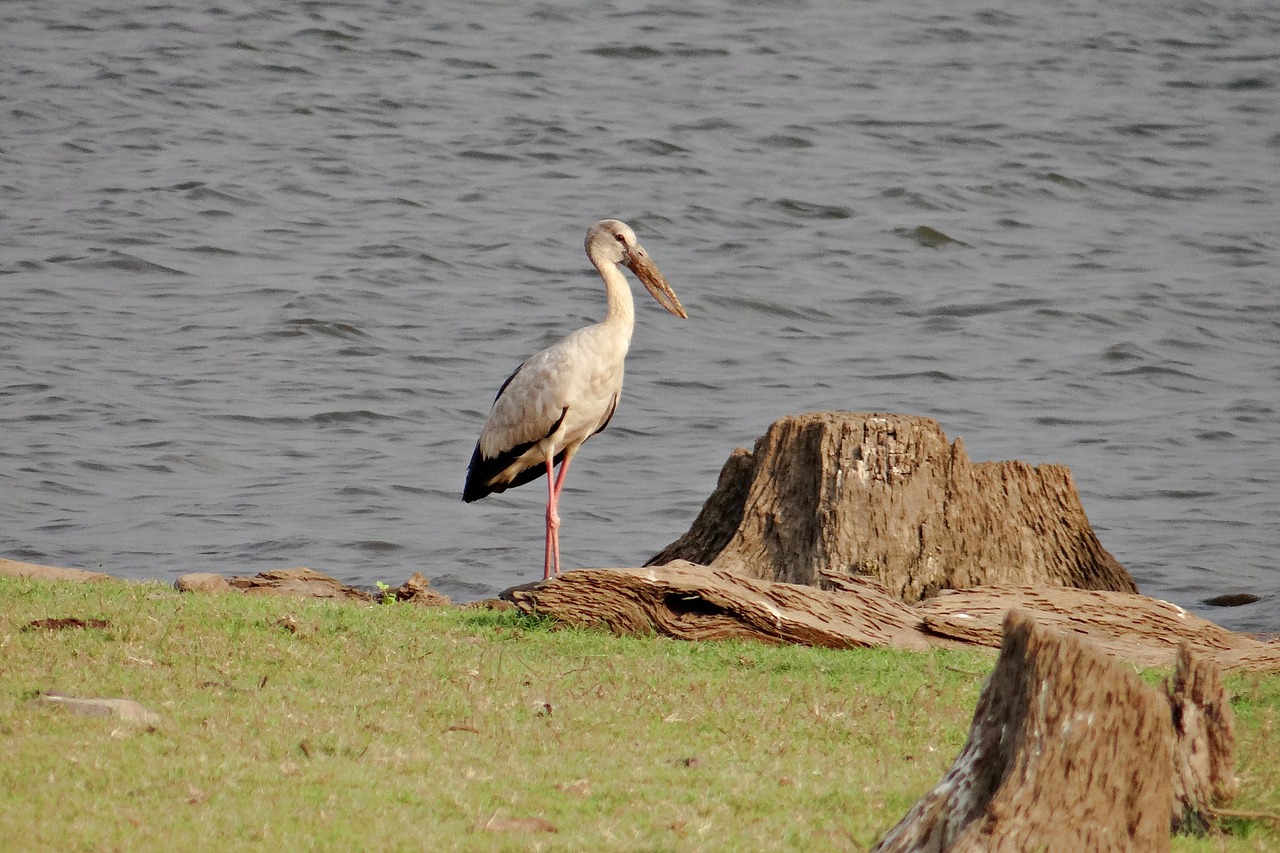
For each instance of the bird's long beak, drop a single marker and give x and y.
(639, 262)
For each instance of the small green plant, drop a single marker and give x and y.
(388, 594)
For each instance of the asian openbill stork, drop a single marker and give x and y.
(568, 392)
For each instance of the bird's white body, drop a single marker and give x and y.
(576, 382)
(567, 393)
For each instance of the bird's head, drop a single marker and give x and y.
(611, 241)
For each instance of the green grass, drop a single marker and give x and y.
(304, 725)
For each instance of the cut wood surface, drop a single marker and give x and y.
(886, 496)
(1069, 750)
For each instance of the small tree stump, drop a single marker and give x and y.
(1068, 751)
(1204, 740)
(691, 602)
(888, 497)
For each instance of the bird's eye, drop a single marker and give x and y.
(620, 239)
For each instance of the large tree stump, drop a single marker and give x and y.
(887, 496)
(1068, 751)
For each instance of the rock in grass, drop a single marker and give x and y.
(202, 582)
(417, 590)
(298, 583)
(35, 571)
(125, 709)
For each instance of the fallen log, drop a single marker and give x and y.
(691, 602)
(1141, 630)
(886, 496)
(1069, 750)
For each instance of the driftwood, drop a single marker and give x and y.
(691, 602)
(696, 603)
(1143, 631)
(1070, 751)
(887, 496)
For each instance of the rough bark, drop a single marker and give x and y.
(1069, 750)
(1143, 631)
(887, 496)
(1204, 740)
(692, 602)
(696, 603)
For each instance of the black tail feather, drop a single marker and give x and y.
(482, 470)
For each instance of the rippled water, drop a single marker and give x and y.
(262, 269)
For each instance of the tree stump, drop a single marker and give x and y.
(1204, 741)
(1069, 750)
(887, 496)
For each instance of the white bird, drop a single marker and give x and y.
(568, 392)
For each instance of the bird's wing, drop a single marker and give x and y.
(530, 405)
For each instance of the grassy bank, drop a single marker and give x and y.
(297, 725)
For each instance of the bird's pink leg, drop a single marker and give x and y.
(551, 555)
(555, 535)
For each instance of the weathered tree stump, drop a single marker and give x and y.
(888, 497)
(696, 603)
(1069, 751)
(1204, 740)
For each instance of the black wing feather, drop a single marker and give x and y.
(613, 407)
(481, 470)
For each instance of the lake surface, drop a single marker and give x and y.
(264, 266)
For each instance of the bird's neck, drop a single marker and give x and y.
(622, 310)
